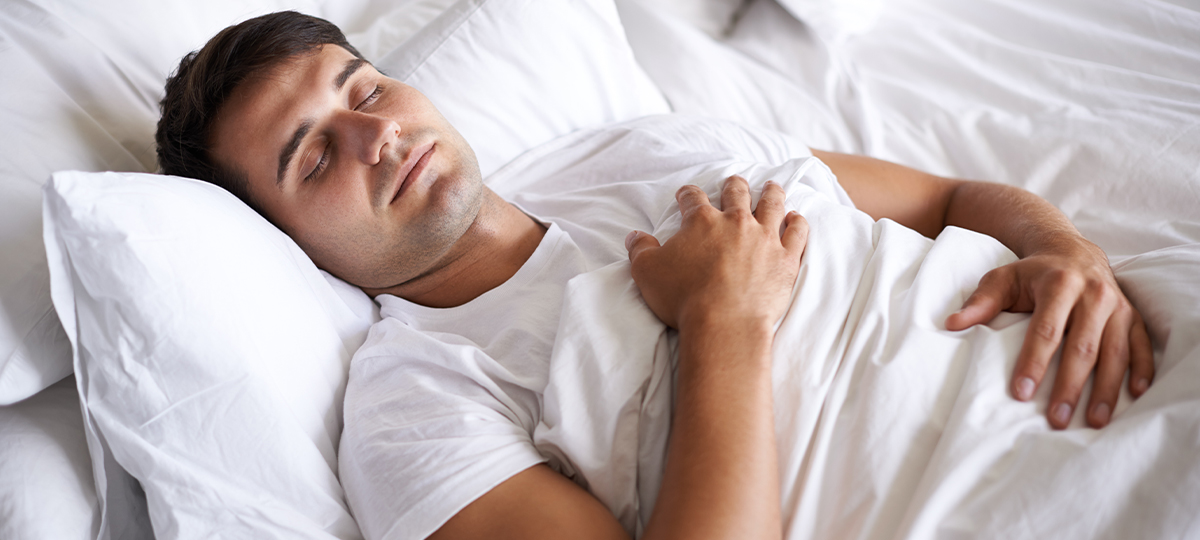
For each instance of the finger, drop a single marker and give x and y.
(795, 234)
(1141, 367)
(1110, 371)
(691, 198)
(997, 292)
(1041, 340)
(1080, 352)
(769, 211)
(638, 242)
(735, 194)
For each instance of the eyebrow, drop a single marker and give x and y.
(289, 150)
(351, 67)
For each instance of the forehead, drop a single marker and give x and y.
(263, 111)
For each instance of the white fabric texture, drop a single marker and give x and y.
(444, 404)
(211, 355)
(388, 30)
(836, 21)
(81, 92)
(510, 75)
(1094, 109)
(813, 96)
(713, 17)
(46, 487)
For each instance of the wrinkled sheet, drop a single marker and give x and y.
(1094, 107)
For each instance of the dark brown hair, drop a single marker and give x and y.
(205, 79)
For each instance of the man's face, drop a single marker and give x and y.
(360, 170)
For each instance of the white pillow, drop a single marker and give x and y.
(392, 28)
(211, 354)
(835, 21)
(514, 74)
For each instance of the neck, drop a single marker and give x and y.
(495, 246)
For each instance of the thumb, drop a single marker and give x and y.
(637, 242)
(992, 297)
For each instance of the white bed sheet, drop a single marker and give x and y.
(1096, 108)
(46, 488)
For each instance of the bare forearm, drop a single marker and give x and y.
(721, 478)
(723, 281)
(1022, 221)
(928, 203)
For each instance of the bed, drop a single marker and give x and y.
(172, 366)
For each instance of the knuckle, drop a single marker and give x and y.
(737, 191)
(1125, 311)
(1115, 352)
(706, 214)
(768, 202)
(741, 215)
(1045, 330)
(1086, 347)
(992, 277)
(1099, 290)
(691, 190)
(1062, 279)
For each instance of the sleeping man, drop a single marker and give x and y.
(522, 383)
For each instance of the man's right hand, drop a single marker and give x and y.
(731, 261)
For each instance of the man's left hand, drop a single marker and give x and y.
(1072, 293)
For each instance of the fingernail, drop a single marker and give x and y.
(1062, 413)
(629, 239)
(1101, 413)
(1024, 388)
(1141, 385)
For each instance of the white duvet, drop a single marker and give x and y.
(1091, 106)
(889, 426)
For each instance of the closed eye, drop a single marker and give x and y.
(370, 98)
(320, 165)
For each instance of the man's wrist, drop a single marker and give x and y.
(745, 336)
(1062, 242)
(718, 321)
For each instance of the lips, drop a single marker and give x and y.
(413, 166)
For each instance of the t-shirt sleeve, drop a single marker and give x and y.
(428, 429)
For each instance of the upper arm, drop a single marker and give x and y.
(882, 189)
(537, 503)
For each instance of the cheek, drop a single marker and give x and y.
(330, 217)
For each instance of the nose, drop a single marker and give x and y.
(369, 136)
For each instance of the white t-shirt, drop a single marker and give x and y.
(444, 404)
